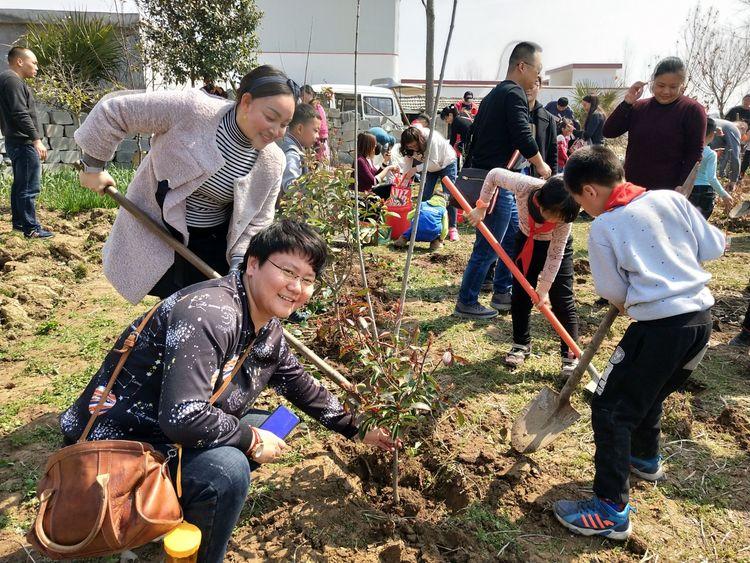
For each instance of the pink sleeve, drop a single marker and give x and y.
(323, 121)
(554, 257)
(519, 184)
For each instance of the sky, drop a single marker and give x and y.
(634, 32)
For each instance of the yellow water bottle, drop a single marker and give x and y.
(182, 544)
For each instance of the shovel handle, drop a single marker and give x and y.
(559, 328)
(156, 228)
(572, 383)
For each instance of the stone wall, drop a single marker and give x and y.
(341, 133)
(58, 127)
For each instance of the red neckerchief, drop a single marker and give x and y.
(622, 195)
(528, 248)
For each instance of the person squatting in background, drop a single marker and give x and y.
(443, 163)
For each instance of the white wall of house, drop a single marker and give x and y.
(570, 75)
(325, 28)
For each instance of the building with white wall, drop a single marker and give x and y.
(314, 41)
(599, 74)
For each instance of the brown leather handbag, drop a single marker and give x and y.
(102, 497)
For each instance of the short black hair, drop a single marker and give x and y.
(469, 93)
(448, 110)
(265, 81)
(592, 165)
(302, 114)
(523, 52)
(563, 102)
(710, 126)
(670, 65)
(554, 198)
(425, 118)
(17, 52)
(290, 237)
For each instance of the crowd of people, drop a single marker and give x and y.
(646, 247)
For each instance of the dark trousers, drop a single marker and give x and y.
(560, 294)
(703, 198)
(215, 483)
(210, 244)
(746, 322)
(745, 162)
(653, 359)
(27, 170)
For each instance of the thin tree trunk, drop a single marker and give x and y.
(415, 219)
(429, 73)
(394, 477)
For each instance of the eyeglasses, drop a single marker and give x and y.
(537, 69)
(294, 276)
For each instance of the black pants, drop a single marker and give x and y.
(210, 244)
(653, 359)
(703, 198)
(560, 294)
(745, 162)
(746, 322)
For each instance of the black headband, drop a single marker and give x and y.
(275, 79)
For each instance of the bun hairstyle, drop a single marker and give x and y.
(266, 81)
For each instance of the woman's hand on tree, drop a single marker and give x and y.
(634, 92)
(382, 439)
(96, 181)
(272, 447)
(476, 215)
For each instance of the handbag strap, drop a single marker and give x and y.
(125, 351)
(228, 380)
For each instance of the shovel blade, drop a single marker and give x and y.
(543, 419)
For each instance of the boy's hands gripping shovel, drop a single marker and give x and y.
(550, 412)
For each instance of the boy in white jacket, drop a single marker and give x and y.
(645, 252)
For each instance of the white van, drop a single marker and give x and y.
(375, 103)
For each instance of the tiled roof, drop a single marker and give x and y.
(415, 104)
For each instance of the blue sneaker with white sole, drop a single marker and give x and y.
(594, 517)
(648, 469)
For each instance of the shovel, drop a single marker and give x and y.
(559, 328)
(188, 255)
(550, 412)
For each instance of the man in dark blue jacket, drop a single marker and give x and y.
(23, 142)
(500, 128)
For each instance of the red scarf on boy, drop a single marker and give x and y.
(528, 248)
(622, 194)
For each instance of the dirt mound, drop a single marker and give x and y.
(737, 424)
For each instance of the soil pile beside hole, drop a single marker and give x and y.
(736, 424)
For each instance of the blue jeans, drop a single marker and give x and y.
(27, 168)
(451, 172)
(503, 224)
(215, 482)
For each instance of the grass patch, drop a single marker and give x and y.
(491, 528)
(61, 190)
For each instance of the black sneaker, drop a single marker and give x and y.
(742, 340)
(476, 311)
(39, 233)
(501, 301)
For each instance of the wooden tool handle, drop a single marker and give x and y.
(588, 354)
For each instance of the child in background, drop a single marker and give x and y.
(433, 223)
(563, 142)
(544, 250)
(706, 182)
(645, 252)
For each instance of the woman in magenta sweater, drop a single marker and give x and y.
(665, 132)
(369, 177)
